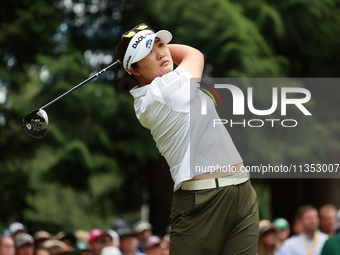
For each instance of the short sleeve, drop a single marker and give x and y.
(173, 89)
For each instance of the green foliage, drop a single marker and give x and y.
(29, 24)
(264, 198)
(94, 142)
(56, 207)
(310, 42)
(232, 43)
(14, 189)
(94, 133)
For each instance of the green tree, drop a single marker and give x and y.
(94, 144)
(22, 34)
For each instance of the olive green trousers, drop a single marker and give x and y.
(219, 221)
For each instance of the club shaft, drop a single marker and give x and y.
(82, 83)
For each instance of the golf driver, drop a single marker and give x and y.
(36, 123)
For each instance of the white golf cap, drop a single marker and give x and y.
(141, 45)
(140, 226)
(23, 238)
(15, 227)
(110, 250)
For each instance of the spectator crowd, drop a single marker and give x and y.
(311, 232)
(123, 239)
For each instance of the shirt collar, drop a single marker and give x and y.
(139, 91)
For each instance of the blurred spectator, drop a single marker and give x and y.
(98, 240)
(168, 229)
(82, 248)
(40, 237)
(165, 245)
(311, 240)
(16, 228)
(120, 226)
(328, 215)
(297, 226)
(268, 236)
(68, 238)
(24, 244)
(152, 245)
(110, 250)
(6, 245)
(56, 247)
(332, 245)
(115, 237)
(128, 242)
(283, 228)
(41, 251)
(143, 231)
(338, 222)
(82, 235)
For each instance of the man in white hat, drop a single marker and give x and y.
(24, 244)
(143, 231)
(16, 228)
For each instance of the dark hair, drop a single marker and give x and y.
(127, 82)
(302, 209)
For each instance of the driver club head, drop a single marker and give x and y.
(36, 123)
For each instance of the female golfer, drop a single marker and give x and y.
(213, 212)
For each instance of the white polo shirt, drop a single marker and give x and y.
(301, 245)
(170, 108)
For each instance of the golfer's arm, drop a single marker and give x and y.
(189, 58)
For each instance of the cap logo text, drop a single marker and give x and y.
(139, 39)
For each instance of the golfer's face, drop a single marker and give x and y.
(157, 63)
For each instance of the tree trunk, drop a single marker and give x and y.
(160, 190)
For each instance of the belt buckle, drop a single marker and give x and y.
(240, 179)
(236, 181)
